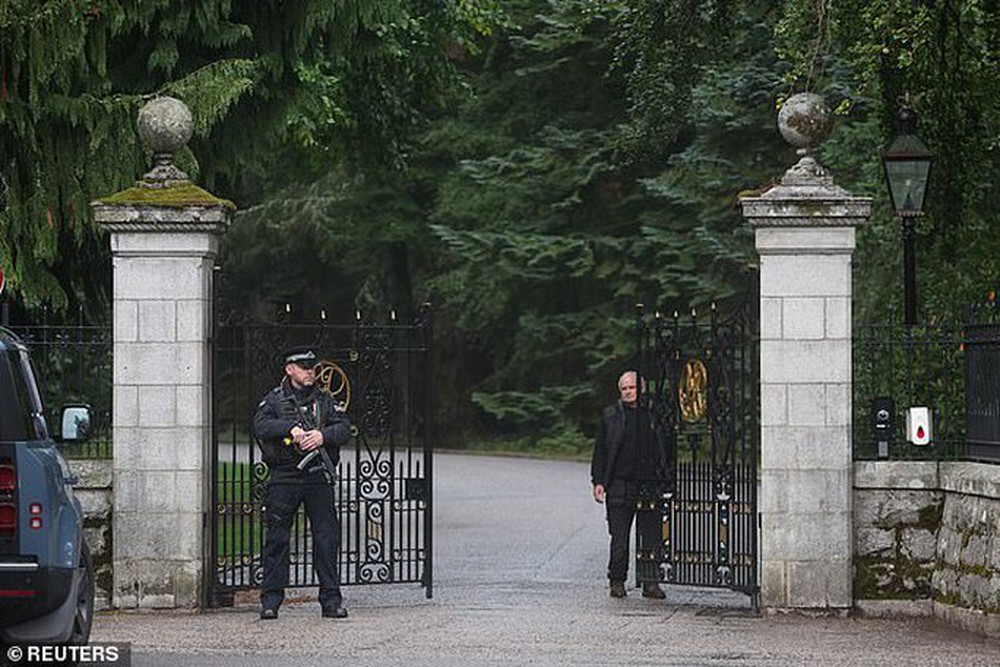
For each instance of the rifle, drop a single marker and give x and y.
(325, 463)
(307, 422)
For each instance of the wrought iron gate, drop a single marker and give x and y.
(702, 384)
(380, 372)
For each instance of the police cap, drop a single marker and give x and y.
(301, 355)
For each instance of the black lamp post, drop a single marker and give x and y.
(907, 165)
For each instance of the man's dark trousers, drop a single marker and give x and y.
(621, 496)
(282, 502)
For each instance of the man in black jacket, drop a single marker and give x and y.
(630, 461)
(300, 430)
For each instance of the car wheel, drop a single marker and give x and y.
(83, 619)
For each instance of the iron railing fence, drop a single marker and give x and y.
(952, 369)
(73, 364)
(982, 382)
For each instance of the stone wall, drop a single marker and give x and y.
(95, 490)
(927, 541)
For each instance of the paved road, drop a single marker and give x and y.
(519, 580)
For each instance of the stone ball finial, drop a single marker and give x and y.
(165, 124)
(805, 121)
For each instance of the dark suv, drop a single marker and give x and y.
(46, 575)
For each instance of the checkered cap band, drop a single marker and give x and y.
(300, 357)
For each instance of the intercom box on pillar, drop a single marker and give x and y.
(918, 426)
(883, 411)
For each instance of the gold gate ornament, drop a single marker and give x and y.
(332, 379)
(692, 391)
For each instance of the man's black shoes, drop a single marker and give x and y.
(334, 612)
(267, 614)
(649, 590)
(653, 590)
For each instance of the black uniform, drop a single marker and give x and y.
(631, 460)
(283, 408)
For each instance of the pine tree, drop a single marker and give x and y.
(279, 91)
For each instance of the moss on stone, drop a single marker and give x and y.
(179, 196)
(886, 579)
(929, 516)
(955, 600)
(866, 576)
(954, 597)
(951, 599)
(103, 565)
(966, 536)
(978, 570)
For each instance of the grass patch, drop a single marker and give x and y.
(239, 531)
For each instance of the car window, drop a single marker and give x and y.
(16, 421)
(41, 429)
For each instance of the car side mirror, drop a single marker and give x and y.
(76, 422)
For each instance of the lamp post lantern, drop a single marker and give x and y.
(907, 165)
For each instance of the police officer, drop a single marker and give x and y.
(300, 430)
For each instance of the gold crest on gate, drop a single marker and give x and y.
(332, 379)
(692, 391)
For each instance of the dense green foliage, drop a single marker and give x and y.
(542, 208)
(940, 58)
(534, 172)
(301, 86)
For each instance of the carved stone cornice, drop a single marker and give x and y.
(134, 218)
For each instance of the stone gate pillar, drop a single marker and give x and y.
(164, 238)
(805, 230)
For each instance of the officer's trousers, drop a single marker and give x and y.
(280, 506)
(621, 497)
